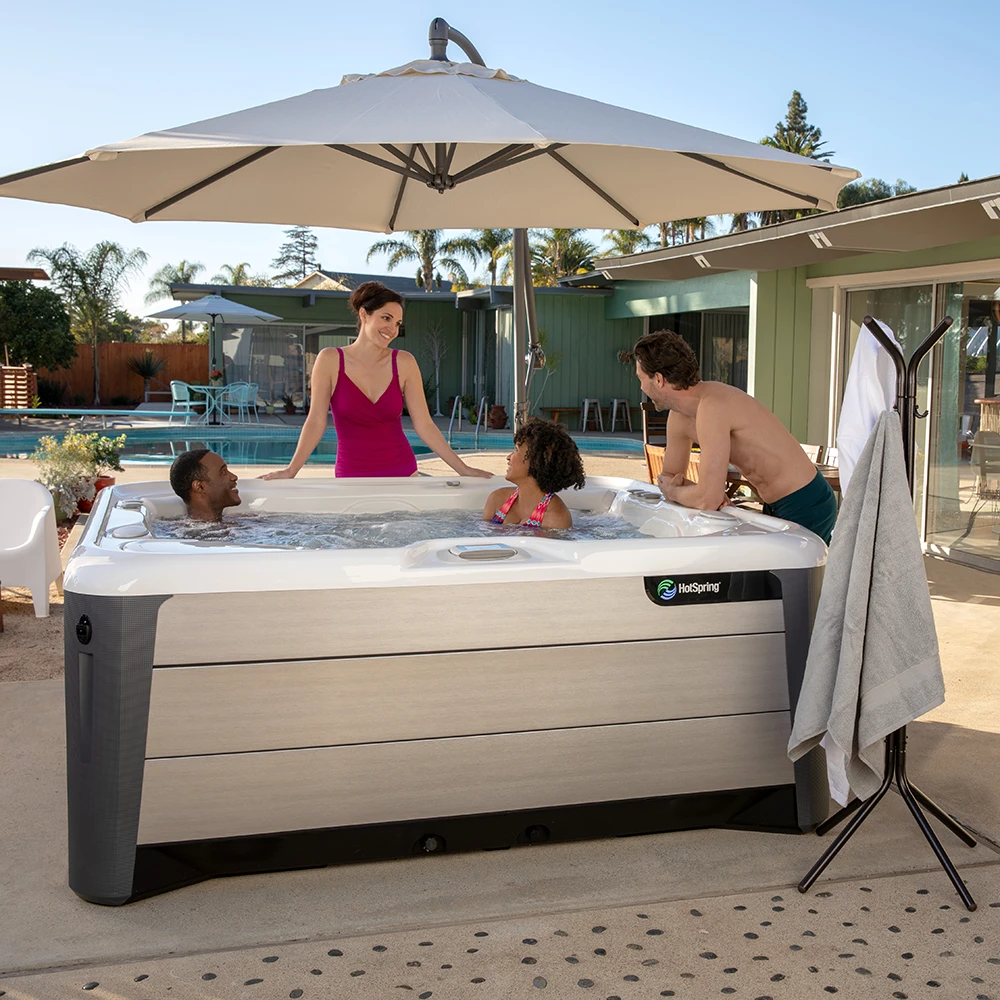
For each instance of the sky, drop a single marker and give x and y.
(894, 96)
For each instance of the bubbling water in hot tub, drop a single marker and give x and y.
(390, 529)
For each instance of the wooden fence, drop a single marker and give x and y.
(187, 362)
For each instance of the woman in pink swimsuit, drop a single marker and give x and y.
(365, 386)
(545, 460)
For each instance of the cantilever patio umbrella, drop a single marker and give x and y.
(436, 144)
(213, 307)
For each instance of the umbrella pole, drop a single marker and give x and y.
(527, 352)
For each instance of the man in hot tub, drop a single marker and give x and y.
(729, 427)
(203, 481)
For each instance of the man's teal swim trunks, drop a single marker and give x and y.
(814, 507)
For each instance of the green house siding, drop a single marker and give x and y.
(655, 298)
(587, 344)
(780, 341)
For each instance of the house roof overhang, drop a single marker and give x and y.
(958, 213)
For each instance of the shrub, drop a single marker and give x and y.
(51, 391)
(69, 467)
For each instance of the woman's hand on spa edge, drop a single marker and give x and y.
(285, 473)
(470, 470)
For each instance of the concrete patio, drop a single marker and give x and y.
(690, 915)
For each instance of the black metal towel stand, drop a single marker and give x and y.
(895, 743)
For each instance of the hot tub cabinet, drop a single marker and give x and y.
(233, 708)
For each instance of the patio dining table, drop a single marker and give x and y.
(213, 404)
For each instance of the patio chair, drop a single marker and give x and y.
(986, 455)
(243, 397)
(29, 544)
(180, 401)
(813, 452)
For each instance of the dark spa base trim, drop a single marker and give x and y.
(164, 867)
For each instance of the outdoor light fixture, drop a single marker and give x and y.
(820, 240)
(701, 260)
(992, 208)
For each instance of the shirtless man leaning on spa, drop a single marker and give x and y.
(729, 427)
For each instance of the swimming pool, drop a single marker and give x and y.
(264, 445)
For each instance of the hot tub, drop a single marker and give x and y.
(235, 708)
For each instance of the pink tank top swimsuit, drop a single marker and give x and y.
(370, 438)
(534, 520)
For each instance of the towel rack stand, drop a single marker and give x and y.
(895, 743)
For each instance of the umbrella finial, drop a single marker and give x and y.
(441, 32)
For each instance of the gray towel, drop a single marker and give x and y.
(873, 661)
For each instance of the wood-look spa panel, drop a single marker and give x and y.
(281, 625)
(273, 706)
(232, 795)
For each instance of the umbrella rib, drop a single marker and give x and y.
(202, 184)
(449, 158)
(708, 161)
(511, 161)
(399, 192)
(492, 162)
(579, 175)
(407, 161)
(426, 156)
(36, 171)
(385, 164)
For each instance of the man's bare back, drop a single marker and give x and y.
(731, 427)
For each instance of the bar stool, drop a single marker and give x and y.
(623, 405)
(585, 413)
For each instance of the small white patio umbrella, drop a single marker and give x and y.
(213, 307)
(436, 144)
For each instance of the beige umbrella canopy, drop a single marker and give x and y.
(435, 144)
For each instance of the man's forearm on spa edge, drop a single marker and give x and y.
(696, 496)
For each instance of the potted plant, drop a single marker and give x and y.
(64, 469)
(469, 405)
(289, 404)
(269, 408)
(147, 366)
(76, 468)
(497, 418)
(215, 376)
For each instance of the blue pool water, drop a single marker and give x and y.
(264, 445)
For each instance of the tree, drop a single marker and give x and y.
(875, 189)
(963, 178)
(557, 253)
(496, 246)
(794, 135)
(297, 257)
(435, 347)
(90, 284)
(34, 327)
(181, 274)
(147, 366)
(234, 274)
(624, 242)
(426, 248)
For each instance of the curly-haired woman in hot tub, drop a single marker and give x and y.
(544, 461)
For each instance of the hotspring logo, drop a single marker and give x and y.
(667, 590)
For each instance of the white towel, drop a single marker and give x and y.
(870, 389)
(873, 662)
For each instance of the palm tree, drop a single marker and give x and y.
(496, 246)
(624, 242)
(147, 366)
(556, 253)
(91, 284)
(159, 285)
(233, 274)
(740, 222)
(426, 248)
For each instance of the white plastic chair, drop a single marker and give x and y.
(29, 544)
(180, 401)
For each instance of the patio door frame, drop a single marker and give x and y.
(934, 275)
